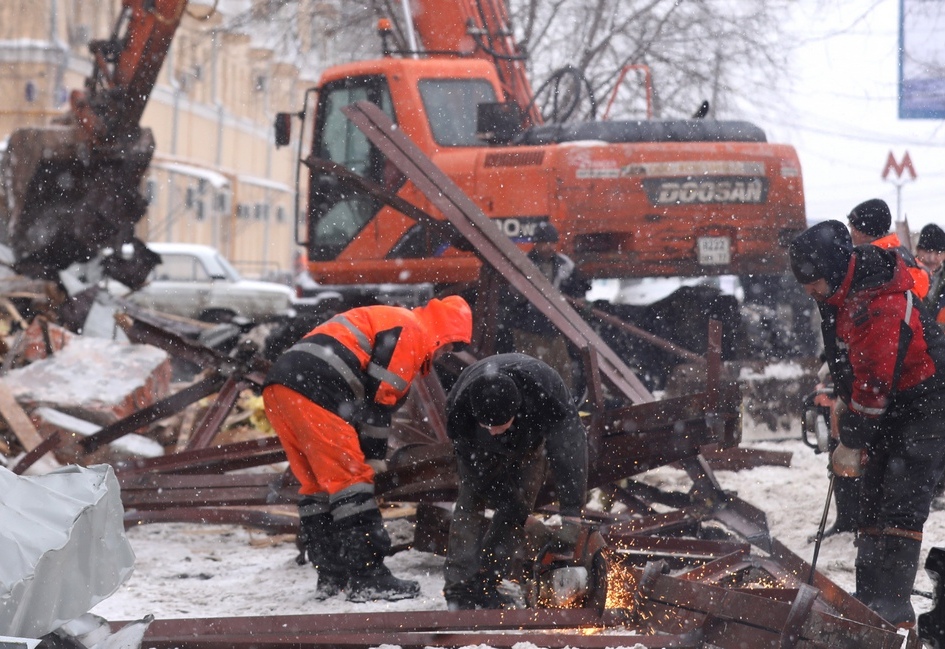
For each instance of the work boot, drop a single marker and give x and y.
(846, 494)
(867, 566)
(931, 624)
(317, 544)
(885, 577)
(380, 585)
(481, 592)
(362, 549)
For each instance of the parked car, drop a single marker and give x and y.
(196, 281)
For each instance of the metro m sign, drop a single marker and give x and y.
(899, 168)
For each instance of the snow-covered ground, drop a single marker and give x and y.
(190, 570)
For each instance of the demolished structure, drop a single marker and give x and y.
(698, 569)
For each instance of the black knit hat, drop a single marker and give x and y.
(931, 237)
(545, 233)
(822, 251)
(494, 399)
(871, 217)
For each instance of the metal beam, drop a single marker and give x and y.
(493, 247)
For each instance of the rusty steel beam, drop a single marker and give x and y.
(217, 413)
(741, 618)
(155, 412)
(157, 492)
(51, 443)
(490, 244)
(662, 611)
(143, 327)
(273, 523)
(424, 640)
(226, 457)
(646, 336)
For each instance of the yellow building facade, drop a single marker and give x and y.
(216, 176)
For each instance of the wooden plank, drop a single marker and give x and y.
(17, 419)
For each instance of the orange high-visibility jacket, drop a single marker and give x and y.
(919, 275)
(371, 355)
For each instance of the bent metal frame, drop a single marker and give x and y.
(698, 569)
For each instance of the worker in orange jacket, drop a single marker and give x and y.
(870, 222)
(330, 398)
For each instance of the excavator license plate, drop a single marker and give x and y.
(714, 251)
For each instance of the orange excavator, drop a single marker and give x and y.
(73, 187)
(668, 198)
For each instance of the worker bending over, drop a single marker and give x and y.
(506, 415)
(330, 398)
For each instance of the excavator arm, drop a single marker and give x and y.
(481, 29)
(73, 186)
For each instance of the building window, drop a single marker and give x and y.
(221, 202)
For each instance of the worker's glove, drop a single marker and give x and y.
(564, 539)
(846, 462)
(857, 431)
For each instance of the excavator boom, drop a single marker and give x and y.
(480, 29)
(72, 186)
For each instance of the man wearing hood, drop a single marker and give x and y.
(887, 358)
(330, 398)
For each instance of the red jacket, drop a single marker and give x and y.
(871, 304)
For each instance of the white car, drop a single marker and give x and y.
(196, 281)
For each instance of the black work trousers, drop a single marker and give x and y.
(477, 545)
(901, 475)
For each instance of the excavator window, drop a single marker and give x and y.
(452, 106)
(338, 215)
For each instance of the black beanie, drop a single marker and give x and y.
(822, 251)
(494, 399)
(871, 217)
(931, 237)
(545, 233)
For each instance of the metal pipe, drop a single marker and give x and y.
(820, 529)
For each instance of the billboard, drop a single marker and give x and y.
(921, 59)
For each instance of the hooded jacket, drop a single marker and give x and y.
(871, 304)
(360, 364)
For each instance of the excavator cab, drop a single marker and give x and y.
(337, 215)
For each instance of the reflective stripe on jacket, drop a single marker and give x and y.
(369, 356)
(871, 304)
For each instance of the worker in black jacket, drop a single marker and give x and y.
(532, 332)
(509, 417)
